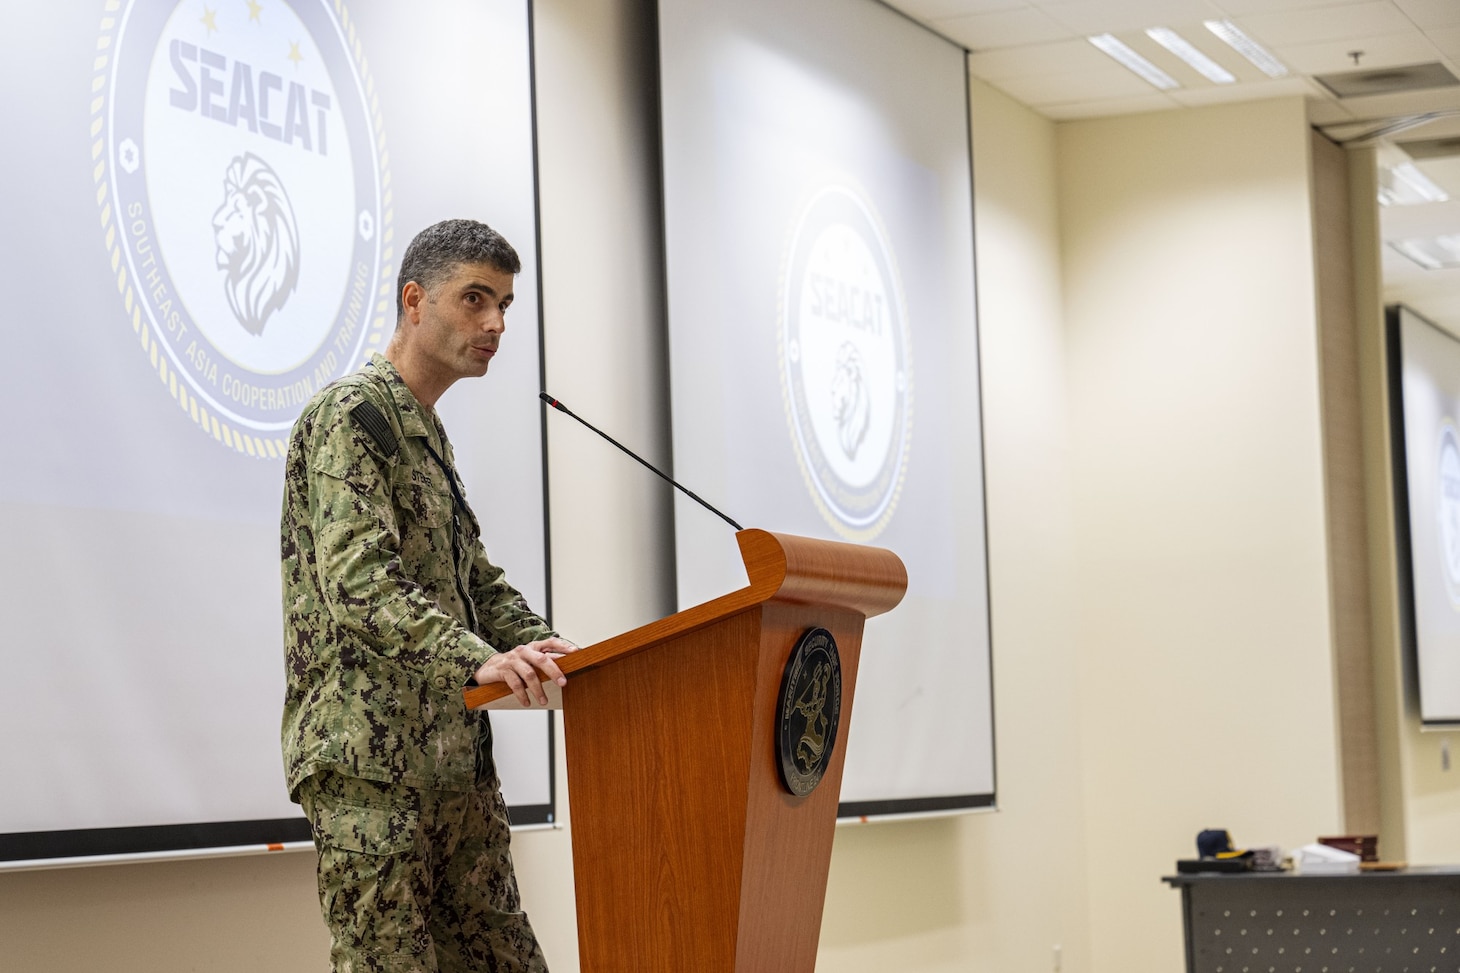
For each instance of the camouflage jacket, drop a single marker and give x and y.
(390, 603)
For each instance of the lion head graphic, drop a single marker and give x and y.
(258, 242)
(850, 406)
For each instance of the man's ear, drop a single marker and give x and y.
(412, 296)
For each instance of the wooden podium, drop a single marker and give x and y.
(689, 852)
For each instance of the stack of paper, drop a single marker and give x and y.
(1323, 860)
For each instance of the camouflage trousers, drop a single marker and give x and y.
(417, 881)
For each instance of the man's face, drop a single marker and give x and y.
(461, 320)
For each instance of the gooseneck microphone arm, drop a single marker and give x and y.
(643, 462)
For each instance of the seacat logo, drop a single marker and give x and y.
(240, 184)
(846, 365)
(1448, 508)
(809, 710)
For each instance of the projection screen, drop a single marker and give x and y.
(1424, 389)
(204, 211)
(824, 362)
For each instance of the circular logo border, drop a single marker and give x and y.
(848, 188)
(815, 644)
(231, 434)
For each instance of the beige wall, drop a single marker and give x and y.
(1206, 672)
(999, 891)
(1161, 626)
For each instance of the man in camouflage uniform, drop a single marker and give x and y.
(390, 608)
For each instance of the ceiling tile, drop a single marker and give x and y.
(1070, 78)
(1432, 13)
(1290, 27)
(1407, 103)
(1398, 274)
(1399, 223)
(934, 9)
(1390, 51)
(1327, 111)
(1427, 220)
(1023, 62)
(1438, 128)
(1447, 39)
(1251, 91)
(1433, 293)
(1115, 16)
(1238, 8)
(1107, 107)
(1006, 28)
(1351, 129)
(1112, 82)
(1363, 124)
(1445, 173)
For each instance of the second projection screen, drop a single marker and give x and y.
(824, 351)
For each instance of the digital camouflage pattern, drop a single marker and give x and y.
(417, 881)
(390, 603)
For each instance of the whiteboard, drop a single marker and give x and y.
(166, 328)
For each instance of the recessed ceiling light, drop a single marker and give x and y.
(1184, 49)
(1439, 253)
(1405, 185)
(1128, 57)
(1233, 37)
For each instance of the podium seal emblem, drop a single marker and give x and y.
(809, 711)
(243, 187)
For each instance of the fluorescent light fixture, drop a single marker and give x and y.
(1233, 37)
(1128, 57)
(1405, 185)
(1439, 253)
(1184, 49)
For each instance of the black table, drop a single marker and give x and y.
(1405, 921)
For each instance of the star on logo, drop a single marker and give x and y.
(367, 225)
(254, 10)
(209, 19)
(128, 156)
(294, 54)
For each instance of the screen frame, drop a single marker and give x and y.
(1409, 639)
(26, 850)
(934, 805)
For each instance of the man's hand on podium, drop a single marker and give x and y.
(523, 668)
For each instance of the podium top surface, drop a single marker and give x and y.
(781, 567)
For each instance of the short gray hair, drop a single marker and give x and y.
(438, 250)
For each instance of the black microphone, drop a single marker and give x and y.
(686, 491)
